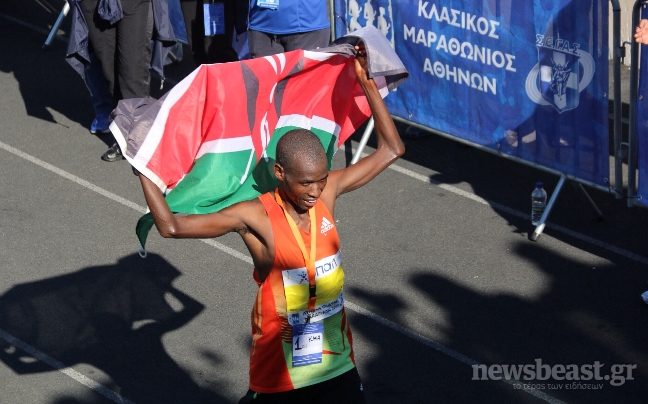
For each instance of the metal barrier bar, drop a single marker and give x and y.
(617, 128)
(554, 195)
(632, 125)
(55, 27)
(589, 199)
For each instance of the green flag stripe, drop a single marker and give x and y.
(213, 178)
(214, 183)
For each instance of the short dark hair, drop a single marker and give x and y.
(299, 142)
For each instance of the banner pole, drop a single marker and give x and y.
(332, 18)
(363, 141)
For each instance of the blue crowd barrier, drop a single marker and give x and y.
(641, 142)
(528, 79)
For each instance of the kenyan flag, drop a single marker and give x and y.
(210, 141)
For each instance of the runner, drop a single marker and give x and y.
(301, 342)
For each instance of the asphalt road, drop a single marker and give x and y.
(441, 275)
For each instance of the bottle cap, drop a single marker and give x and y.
(538, 184)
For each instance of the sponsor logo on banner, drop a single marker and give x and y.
(365, 13)
(563, 71)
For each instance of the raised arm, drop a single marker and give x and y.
(191, 226)
(390, 147)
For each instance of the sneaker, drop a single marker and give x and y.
(100, 124)
(113, 154)
(412, 132)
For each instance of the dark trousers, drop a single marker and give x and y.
(210, 49)
(264, 44)
(124, 48)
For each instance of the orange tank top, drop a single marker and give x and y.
(282, 303)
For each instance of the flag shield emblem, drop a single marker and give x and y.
(559, 78)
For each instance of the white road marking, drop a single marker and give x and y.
(99, 388)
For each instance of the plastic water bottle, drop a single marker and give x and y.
(538, 203)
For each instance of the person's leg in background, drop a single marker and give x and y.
(263, 44)
(99, 96)
(133, 56)
(306, 40)
(102, 37)
(133, 50)
(219, 47)
(189, 14)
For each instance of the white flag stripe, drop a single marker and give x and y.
(247, 169)
(282, 61)
(320, 56)
(326, 125)
(154, 136)
(302, 121)
(272, 62)
(272, 92)
(226, 145)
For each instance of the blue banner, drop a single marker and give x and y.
(525, 78)
(642, 128)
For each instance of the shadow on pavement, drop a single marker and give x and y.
(580, 315)
(47, 83)
(110, 317)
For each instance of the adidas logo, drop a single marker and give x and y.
(326, 225)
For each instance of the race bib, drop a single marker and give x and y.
(307, 344)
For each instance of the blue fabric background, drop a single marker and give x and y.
(572, 140)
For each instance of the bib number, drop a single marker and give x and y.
(307, 344)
